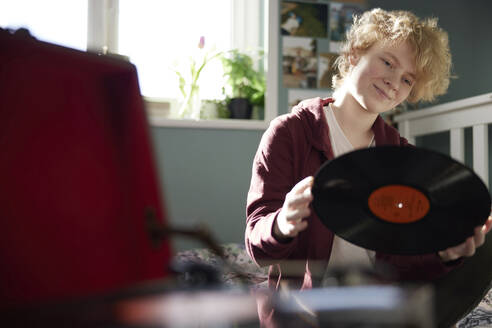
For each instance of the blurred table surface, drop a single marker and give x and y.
(161, 305)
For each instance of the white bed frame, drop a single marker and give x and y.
(455, 116)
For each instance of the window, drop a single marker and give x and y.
(55, 21)
(154, 35)
(161, 35)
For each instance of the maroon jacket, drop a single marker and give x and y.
(292, 148)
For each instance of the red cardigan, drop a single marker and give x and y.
(292, 148)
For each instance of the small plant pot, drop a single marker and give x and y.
(240, 108)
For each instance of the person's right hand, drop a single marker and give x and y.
(296, 207)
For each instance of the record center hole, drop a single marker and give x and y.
(400, 205)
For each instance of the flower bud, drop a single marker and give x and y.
(201, 44)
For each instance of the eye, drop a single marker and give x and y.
(387, 63)
(408, 81)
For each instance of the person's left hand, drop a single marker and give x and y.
(468, 247)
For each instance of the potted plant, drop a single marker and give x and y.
(245, 85)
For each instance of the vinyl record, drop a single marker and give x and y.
(400, 200)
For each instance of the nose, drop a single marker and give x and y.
(391, 82)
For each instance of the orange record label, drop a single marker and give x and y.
(398, 204)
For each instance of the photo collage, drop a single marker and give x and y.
(311, 35)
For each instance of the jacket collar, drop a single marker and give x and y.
(311, 113)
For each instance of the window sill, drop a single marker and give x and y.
(158, 111)
(225, 124)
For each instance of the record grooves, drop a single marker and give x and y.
(400, 200)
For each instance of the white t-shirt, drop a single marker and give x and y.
(344, 253)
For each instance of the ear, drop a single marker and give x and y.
(354, 58)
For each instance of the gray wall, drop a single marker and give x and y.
(205, 173)
(205, 177)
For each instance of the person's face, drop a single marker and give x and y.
(382, 77)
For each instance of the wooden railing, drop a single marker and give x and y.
(455, 116)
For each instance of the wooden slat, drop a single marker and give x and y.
(457, 144)
(481, 151)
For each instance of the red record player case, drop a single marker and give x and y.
(76, 175)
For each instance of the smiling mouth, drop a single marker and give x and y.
(382, 93)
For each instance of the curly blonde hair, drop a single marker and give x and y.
(430, 44)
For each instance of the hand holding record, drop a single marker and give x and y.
(295, 208)
(403, 200)
(468, 247)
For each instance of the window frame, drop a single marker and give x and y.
(102, 36)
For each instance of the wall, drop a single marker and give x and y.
(205, 177)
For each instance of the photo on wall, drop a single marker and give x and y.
(326, 69)
(299, 62)
(304, 19)
(341, 19)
